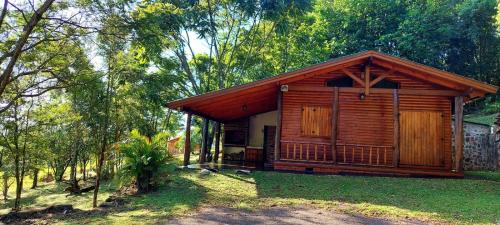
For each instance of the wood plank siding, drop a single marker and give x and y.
(365, 126)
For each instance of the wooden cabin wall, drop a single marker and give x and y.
(368, 121)
(291, 121)
(365, 122)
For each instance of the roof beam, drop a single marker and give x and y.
(354, 77)
(376, 80)
(422, 76)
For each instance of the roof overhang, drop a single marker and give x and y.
(261, 96)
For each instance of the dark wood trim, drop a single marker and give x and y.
(367, 79)
(395, 105)
(187, 141)
(277, 145)
(309, 88)
(335, 115)
(217, 142)
(189, 111)
(328, 168)
(459, 132)
(449, 93)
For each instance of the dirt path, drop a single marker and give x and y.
(280, 215)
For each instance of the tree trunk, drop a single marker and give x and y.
(35, 179)
(74, 163)
(104, 141)
(98, 175)
(5, 190)
(19, 189)
(84, 170)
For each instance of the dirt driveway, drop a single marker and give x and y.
(280, 215)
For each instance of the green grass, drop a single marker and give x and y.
(462, 201)
(484, 175)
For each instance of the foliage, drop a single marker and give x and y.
(145, 160)
(90, 71)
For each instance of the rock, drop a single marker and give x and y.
(213, 170)
(59, 208)
(244, 172)
(205, 172)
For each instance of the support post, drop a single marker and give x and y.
(459, 132)
(204, 141)
(187, 141)
(395, 110)
(277, 145)
(335, 115)
(367, 79)
(217, 141)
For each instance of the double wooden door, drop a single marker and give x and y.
(421, 138)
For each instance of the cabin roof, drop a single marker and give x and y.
(261, 95)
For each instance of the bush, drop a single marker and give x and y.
(144, 160)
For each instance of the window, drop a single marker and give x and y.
(386, 84)
(340, 82)
(234, 137)
(316, 121)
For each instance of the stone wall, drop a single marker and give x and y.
(479, 147)
(497, 143)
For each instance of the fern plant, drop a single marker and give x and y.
(144, 160)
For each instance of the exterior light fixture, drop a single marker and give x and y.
(362, 96)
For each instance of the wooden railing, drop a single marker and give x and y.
(371, 155)
(351, 154)
(306, 151)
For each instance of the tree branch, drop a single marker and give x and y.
(28, 29)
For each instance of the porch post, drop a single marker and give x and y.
(395, 110)
(335, 115)
(277, 139)
(217, 141)
(187, 141)
(204, 141)
(459, 132)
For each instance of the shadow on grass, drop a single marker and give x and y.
(178, 196)
(468, 201)
(29, 199)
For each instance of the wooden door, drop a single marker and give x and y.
(269, 140)
(421, 138)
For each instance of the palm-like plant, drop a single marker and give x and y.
(144, 160)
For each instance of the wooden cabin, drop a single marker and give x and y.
(363, 113)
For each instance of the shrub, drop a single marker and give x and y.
(145, 160)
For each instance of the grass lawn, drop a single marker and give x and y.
(464, 201)
(483, 175)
